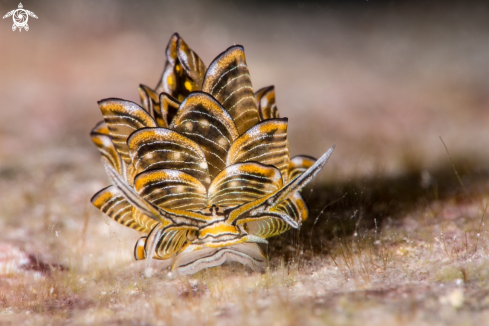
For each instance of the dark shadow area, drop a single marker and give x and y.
(339, 209)
(38, 265)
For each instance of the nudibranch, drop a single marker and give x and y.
(201, 168)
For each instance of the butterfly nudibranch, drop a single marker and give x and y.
(201, 168)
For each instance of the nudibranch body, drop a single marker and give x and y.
(202, 167)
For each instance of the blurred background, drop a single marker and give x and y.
(380, 79)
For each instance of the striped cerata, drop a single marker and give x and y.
(201, 168)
